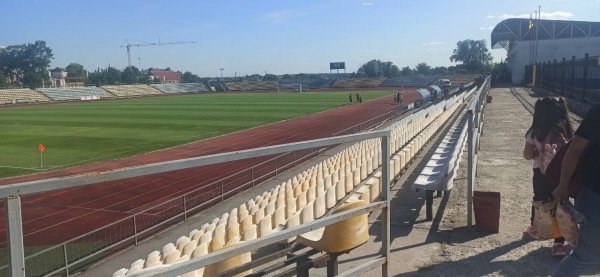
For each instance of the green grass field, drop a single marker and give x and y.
(86, 132)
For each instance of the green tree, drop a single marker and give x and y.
(390, 70)
(406, 71)
(30, 60)
(373, 68)
(270, 77)
(423, 69)
(132, 75)
(473, 54)
(75, 70)
(189, 77)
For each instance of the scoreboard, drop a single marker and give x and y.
(337, 65)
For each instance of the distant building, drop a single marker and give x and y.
(553, 39)
(165, 76)
(58, 78)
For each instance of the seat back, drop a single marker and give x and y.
(348, 233)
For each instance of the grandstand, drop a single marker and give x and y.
(252, 86)
(310, 84)
(13, 96)
(182, 88)
(350, 177)
(131, 90)
(358, 83)
(461, 79)
(74, 93)
(409, 81)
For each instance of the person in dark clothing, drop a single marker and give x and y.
(350, 98)
(583, 152)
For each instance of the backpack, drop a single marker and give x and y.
(550, 148)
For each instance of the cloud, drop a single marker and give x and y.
(490, 17)
(432, 43)
(486, 28)
(277, 17)
(545, 15)
(557, 15)
(367, 4)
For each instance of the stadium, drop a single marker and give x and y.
(155, 172)
(95, 220)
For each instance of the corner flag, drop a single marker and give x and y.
(41, 147)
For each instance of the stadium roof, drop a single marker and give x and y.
(514, 30)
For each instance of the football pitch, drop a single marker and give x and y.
(87, 132)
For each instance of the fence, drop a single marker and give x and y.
(475, 117)
(87, 248)
(12, 193)
(576, 78)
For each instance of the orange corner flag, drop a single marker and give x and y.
(41, 147)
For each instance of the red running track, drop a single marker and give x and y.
(57, 216)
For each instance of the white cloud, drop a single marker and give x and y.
(277, 17)
(367, 4)
(545, 15)
(490, 17)
(432, 43)
(557, 15)
(486, 28)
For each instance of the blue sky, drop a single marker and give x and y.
(276, 36)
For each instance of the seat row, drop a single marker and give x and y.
(356, 83)
(182, 88)
(12, 96)
(75, 93)
(252, 86)
(131, 90)
(352, 174)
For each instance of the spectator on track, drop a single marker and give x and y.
(350, 98)
(358, 99)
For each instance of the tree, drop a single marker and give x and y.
(132, 75)
(30, 60)
(423, 69)
(406, 71)
(440, 70)
(188, 77)
(75, 70)
(473, 54)
(270, 77)
(377, 68)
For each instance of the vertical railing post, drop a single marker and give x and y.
(585, 77)
(470, 168)
(572, 75)
(554, 78)
(385, 212)
(135, 237)
(66, 259)
(222, 191)
(563, 65)
(14, 233)
(252, 172)
(184, 208)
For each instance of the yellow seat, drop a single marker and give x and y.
(341, 236)
(227, 264)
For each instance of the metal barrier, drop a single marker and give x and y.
(475, 116)
(12, 194)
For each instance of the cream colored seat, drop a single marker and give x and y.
(341, 236)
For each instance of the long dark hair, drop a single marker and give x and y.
(551, 119)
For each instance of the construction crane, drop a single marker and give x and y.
(128, 46)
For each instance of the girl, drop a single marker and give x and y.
(551, 125)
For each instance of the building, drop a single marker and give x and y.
(165, 76)
(556, 40)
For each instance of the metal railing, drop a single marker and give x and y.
(475, 116)
(127, 229)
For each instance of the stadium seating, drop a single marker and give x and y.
(182, 88)
(306, 84)
(409, 81)
(14, 96)
(74, 93)
(352, 176)
(358, 83)
(252, 86)
(131, 90)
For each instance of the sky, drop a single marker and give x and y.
(275, 36)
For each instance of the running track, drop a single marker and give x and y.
(57, 216)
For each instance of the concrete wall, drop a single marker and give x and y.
(550, 50)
